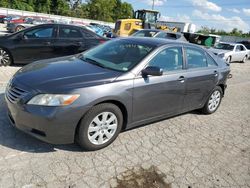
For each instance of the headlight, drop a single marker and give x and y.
(53, 100)
(221, 55)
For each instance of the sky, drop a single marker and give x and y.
(219, 14)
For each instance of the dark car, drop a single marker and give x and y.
(246, 44)
(156, 33)
(91, 97)
(46, 41)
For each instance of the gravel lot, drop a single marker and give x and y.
(190, 150)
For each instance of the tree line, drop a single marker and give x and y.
(104, 10)
(234, 32)
(108, 10)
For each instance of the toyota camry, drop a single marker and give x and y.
(91, 97)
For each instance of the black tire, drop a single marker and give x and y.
(206, 109)
(82, 133)
(244, 59)
(228, 60)
(5, 54)
(19, 28)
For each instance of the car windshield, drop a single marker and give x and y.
(118, 55)
(145, 33)
(224, 46)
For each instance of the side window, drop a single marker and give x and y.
(46, 32)
(242, 48)
(127, 26)
(87, 35)
(69, 32)
(211, 62)
(237, 49)
(169, 59)
(195, 58)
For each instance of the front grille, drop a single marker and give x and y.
(14, 94)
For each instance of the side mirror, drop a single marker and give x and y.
(153, 71)
(20, 36)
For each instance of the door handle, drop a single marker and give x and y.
(215, 73)
(181, 79)
(47, 43)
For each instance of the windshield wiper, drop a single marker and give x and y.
(94, 62)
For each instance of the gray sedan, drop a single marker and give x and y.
(231, 52)
(91, 97)
(156, 33)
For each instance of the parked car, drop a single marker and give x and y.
(2, 18)
(247, 45)
(160, 34)
(126, 82)
(231, 52)
(46, 41)
(9, 18)
(28, 22)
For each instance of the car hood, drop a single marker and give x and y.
(218, 51)
(63, 73)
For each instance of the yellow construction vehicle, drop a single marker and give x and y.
(143, 19)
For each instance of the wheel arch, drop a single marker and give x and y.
(118, 103)
(223, 87)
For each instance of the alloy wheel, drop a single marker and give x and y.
(4, 58)
(102, 128)
(214, 101)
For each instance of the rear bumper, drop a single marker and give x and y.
(53, 125)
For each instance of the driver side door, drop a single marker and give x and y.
(156, 96)
(36, 44)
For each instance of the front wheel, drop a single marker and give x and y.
(5, 58)
(228, 60)
(100, 126)
(213, 101)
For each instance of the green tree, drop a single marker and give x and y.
(60, 7)
(4, 3)
(101, 10)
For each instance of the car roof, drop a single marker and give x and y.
(159, 30)
(231, 43)
(155, 41)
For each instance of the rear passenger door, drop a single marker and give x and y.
(201, 77)
(69, 41)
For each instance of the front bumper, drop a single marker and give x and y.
(55, 125)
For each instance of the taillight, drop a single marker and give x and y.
(102, 41)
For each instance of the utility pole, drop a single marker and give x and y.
(153, 5)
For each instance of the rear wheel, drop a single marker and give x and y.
(213, 101)
(5, 58)
(244, 59)
(100, 126)
(19, 28)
